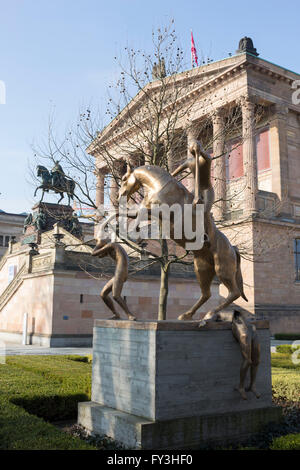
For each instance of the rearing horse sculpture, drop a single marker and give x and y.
(217, 257)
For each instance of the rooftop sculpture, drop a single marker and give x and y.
(55, 181)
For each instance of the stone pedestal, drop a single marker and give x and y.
(170, 384)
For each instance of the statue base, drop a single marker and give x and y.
(169, 384)
(53, 213)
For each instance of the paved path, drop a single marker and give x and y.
(15, 349)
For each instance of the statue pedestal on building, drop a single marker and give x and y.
(169, 384)
(44, 216)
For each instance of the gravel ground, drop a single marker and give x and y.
(289, 425)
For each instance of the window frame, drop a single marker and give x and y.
(296, 253)
(258, 132)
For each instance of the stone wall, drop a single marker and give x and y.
(62, 303)
(269, 281)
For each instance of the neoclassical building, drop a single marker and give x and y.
(242, 109)
(11, 227)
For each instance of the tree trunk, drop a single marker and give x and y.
(164, 282)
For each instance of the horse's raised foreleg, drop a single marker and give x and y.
(205, 277)
(42, 196)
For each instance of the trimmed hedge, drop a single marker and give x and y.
(38, 388)
(288, 336)
(285, 377)
(289, 442)
(287, 348)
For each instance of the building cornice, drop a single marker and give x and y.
(222, 71)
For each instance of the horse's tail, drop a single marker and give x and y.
(239, 277)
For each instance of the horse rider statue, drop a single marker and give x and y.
(58, 175)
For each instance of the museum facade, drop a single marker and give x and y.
(242, 109)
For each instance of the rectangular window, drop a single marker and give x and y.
(7, 237)
(297, 258)
(234, 160)
(1, 240)
(263, 151)
(12, 271)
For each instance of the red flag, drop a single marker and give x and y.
(193, 51)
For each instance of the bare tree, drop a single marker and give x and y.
(148, 119)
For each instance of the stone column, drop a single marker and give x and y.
(279, 156)
(249, 156)
(171, 159)
(192, 134)
(115, 181)
(100, 175)
(147, 152)
(219, 165)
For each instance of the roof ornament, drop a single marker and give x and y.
(246, 45)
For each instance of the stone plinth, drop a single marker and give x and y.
(170, 384)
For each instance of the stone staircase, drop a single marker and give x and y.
(12, 287)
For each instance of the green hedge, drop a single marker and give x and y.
(288, 336)
(289, 442)
(285, 377)
(287, 348)
(36, 389)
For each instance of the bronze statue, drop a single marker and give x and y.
(28, 221)
(58, 175)
(245, 333)
(204, 191)
(74, 226)
(57, 182)
(40, 220)
(104, 248)
(218, 257)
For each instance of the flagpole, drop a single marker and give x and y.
(191, 50)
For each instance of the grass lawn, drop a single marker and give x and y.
(38, 390)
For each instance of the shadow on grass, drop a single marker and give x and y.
(52, 408)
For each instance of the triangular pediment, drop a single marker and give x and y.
(189, 80)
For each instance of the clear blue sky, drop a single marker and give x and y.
(61, 53)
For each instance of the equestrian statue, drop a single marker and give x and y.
(55, 181)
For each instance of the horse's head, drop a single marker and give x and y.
(129, 183)
(41, 169)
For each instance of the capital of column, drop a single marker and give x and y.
(247, 101)
(218, 117)
(279, 111)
